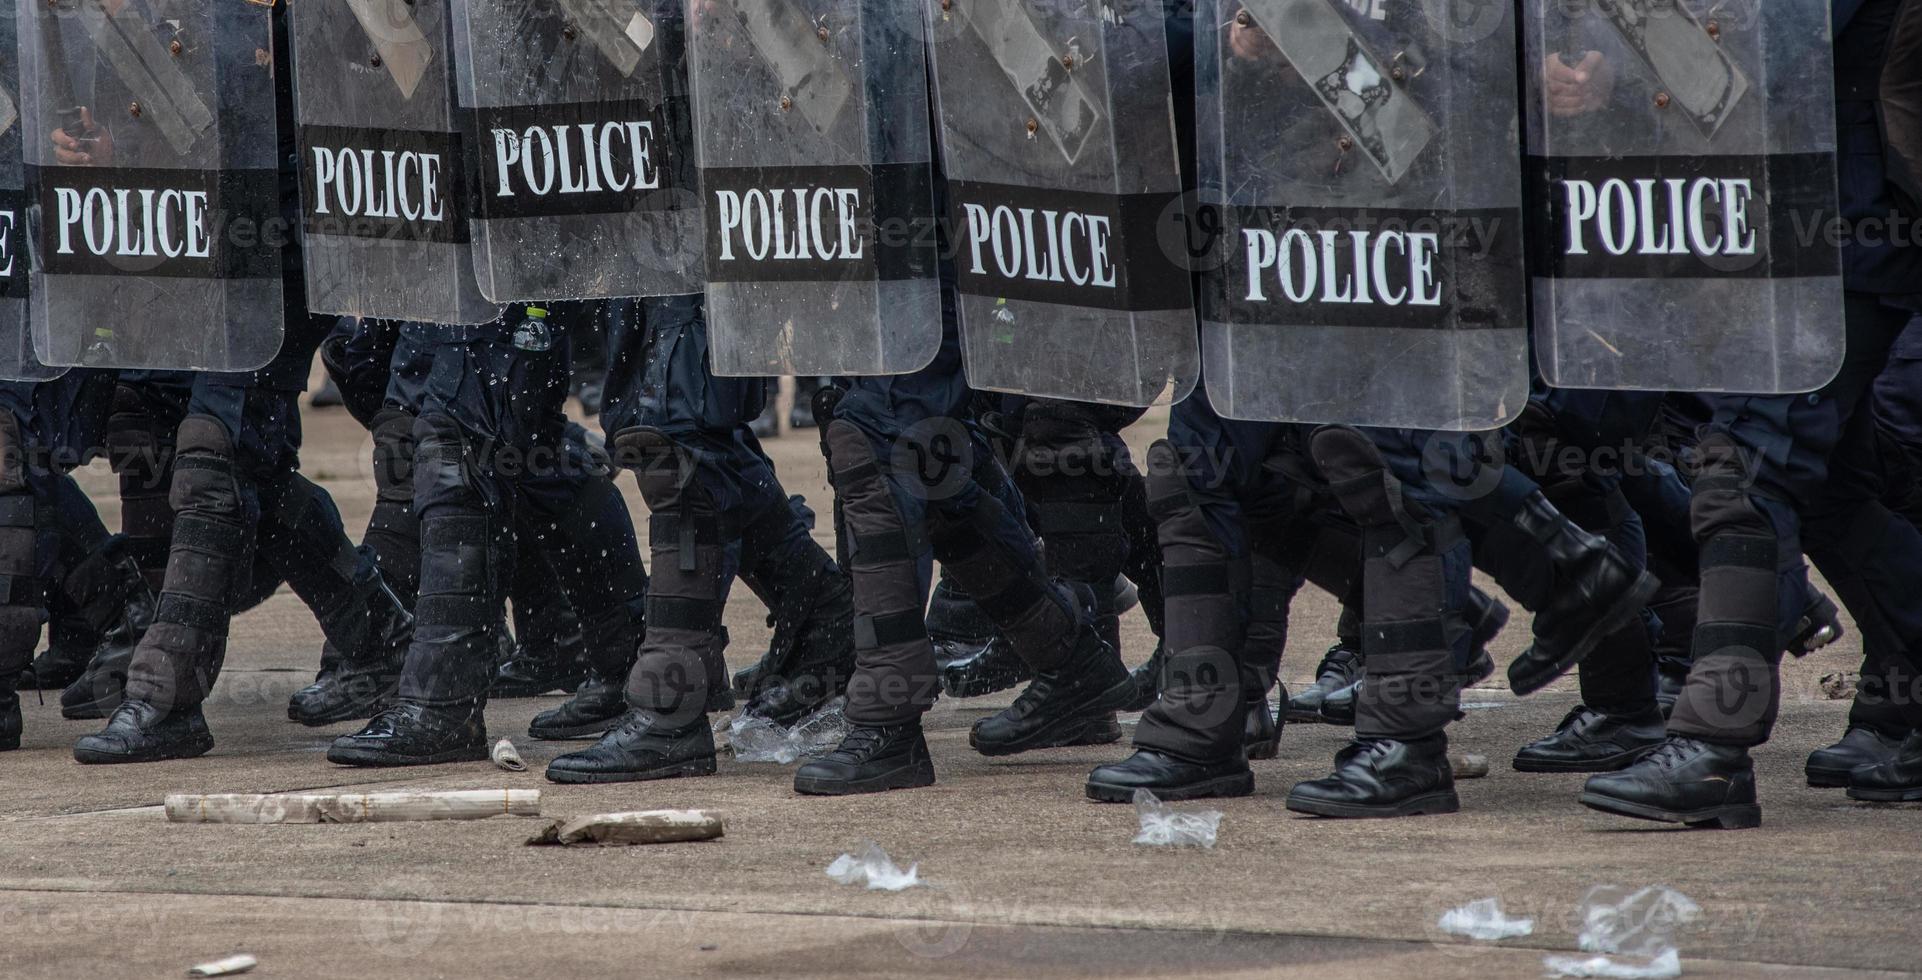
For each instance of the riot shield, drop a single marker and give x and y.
(811, 121)
(585, 151)
(17, 360)
(148, 136)
(385, 189)
(1682, 156)
(1360, 178)
(1061, 165)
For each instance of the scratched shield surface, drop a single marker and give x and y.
(1361, 193)
(584, 149)
(385, 191)
(812, 131)
(150, 195)
(1683, 163)
(1064, 198)
(17, 359)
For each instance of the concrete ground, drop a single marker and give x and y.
(1024, 876)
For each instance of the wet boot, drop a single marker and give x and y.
(1598, 591)
(871, 759)
(356, 685)
(467, 558)
(1829, 767)
(177, 661)
(366, 627)
(598, 558)
(811, 610)
(106, 591)
(1383, 777)
(1191, 742)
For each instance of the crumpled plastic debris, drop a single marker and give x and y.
(1484, 919)
(1165, 826)
(237, 963)
(756, 739)
(1634, 931)
(1663, 967)
(506, 757)
(871, 866)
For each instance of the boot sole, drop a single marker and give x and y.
(1238, 784)
(966, 685)
(1612, 763)
(1305, 715)
(1827, 778)
(1911, 794)
(589, 730)
(357, 711)
(1617, 617)
(704, 766)
(1060, 732)
(187, 750)
(1431, 803)
(1739, 816)
(913, 776)
(373, 759)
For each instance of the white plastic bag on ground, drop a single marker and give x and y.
(871, 866)
(1164, 826)
(755, 739)
(1663, 967)
(1483, 919)
(1633, 931)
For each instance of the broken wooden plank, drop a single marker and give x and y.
(397, 805)
(634, 827)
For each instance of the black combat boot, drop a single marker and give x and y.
(106, 591)
(1829, 768)
(810, 656)
(1170, 777)
(597, 706)
(1383, 777)
(139, 731)
(1598, 591)
(1685, 781)
(355, 685)
(412, 733)
(1072, 704)
(870, 760)
(550, 647)
(1147, 679)
(1895, 780)
(1339, 670)
(98, 689)
(637, 749)
(1588, 740)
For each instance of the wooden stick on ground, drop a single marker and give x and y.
(398, 805)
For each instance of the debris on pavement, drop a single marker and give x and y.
(1663, 967)
(1484, 919)
(237, 963)
(1165, 826)
(872, 867)
(1468, 765)
(633, 827)
(1633, 931)
(507, 757)
(1839, 686)
(398, 805)
(756, 739)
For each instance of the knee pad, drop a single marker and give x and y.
(662, 469)
(205, 480)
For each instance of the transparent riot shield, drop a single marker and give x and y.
(1683, 161)
(17, 360)
(1360, 176)
(1062, 177)
(385, 189)
(584, 148)
(811, 120)
(148, 136)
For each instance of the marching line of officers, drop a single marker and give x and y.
(1672, 580)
